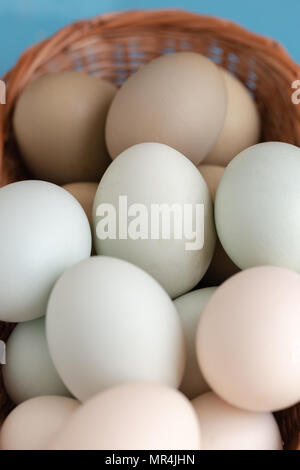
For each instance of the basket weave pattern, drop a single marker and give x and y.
(113, 46)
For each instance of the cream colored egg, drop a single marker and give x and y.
(177, 99)
(242, 123)
(212, 175)
(134, 416)
(248, 339)
(34, 423)
(225, 427)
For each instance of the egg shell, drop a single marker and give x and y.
(85, 195)
(248, 339)
(109, 322)
(190, 307)
(59, 125)
(221, 266)
(257, 208)
(36, 422)
(133, 417)
(152, 173)
(44, 230)
(242, 125)
(177, 99)
(224, 427)
(212, 175)
(29, 371)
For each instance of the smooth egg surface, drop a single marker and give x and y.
(242, 124)
(167, 233)
(134, 416)
(36, 422)
(44, 230)
(225, 427)
(109, 322)
(59, 124)
(248, 339)
(29, 370)
(177, 99)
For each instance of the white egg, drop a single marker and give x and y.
(190, 307)
(225, 427)
(257, 208)
(109, 322)
(43, 231)
(159, 225)
(29, 371)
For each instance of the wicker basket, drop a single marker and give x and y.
(113, 46)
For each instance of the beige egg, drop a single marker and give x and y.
(225, 427)
(59, 124)
(85, 195)
(34, 423)
(221, 266)
(212, 175)
(177, 99)
(135, 416)
(242, 125)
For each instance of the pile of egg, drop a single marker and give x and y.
(145, 344)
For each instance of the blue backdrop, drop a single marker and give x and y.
(23, 22)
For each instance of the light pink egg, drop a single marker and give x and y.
(134, 416)
(248, 339)
(224, 427)
(32, 424)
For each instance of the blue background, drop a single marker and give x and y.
(23, 22)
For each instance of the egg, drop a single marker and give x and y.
(85, 194)
(257, 208)
(248, 339)
(29, 371)
(44, 230)
(148, 211)
(109, 322)
(36, 422)
(221, 266)
(242, 124)
(59, 124)
(212, 175)
(134, 416)
(224, 427)
(190, 307)
(177, 99)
